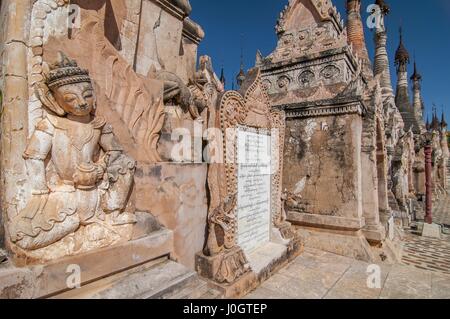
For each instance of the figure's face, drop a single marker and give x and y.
(76, 99)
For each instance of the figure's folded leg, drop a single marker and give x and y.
(44, 221)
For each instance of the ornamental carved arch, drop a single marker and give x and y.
(247, 110)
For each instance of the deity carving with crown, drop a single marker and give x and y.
(81, 180)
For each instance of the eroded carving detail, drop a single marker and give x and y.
(283, 82)
(267, 85)
(330, 71)
(306, 78)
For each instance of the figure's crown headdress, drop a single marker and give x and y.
(66, 71)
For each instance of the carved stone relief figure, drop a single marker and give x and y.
(81, 179)
(131, 102)
(175, 91)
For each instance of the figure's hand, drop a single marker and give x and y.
(100, 172)
(101, 167)
(88, 175)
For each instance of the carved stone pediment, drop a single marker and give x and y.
(302, 12)
(314, 38)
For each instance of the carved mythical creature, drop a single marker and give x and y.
(189, 98)
(221, 223)
(283, 216)
(194, 97)
(79, 174)
(293, 202)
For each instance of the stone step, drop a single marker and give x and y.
(192, 290)
(196, 289)
(162, 279)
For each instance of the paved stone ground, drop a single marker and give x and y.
(427, 253)
(321, 275)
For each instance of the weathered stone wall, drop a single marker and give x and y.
(177, 198)
(14, 25)
(2, 44)
(192, 35)
(162, 43)
(159, 39)
(323, 165)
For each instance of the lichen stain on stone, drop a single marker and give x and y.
(156, 171)
(301, 149)
(300, 186)
(139, 172)
(310, 129)
(14, 291)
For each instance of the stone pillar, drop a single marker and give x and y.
(372, 182)
(373, 231)
(419, 175)
(428, 185)
(14, 21)
(383, 194)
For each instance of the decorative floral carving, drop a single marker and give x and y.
(330, 72)
(287, 40)
(324, 33)
(267, 85)
(283, 82)
(306, 78)
(232, 267)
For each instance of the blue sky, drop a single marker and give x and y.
(426, 26)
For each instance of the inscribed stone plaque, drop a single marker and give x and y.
(254, 185)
